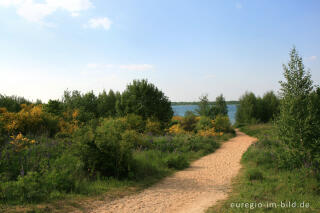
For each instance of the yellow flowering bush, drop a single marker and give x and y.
(153, 127)
(204, 123)
(21, 142)
(177, 118)
(222, 124)
(69, 123)
(209, 132)
(30, 119)
(204, 126)
(176, 129)
(3, 110)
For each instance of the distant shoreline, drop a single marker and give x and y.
(197, 102)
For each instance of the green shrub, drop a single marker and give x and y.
(219, 107)
(133, 139)
(254, 174)
(153, 127)
(28, 188)
(205, 145)
(189, 121)
(3, 134)
(204, 123)
(166, 143)
(204, 107)
(253, 109)
(145, 99)
(177, 161)
(289, 159)
(135, 122)
(54, 107)
(148, 164)
(105, 151)
(12, 103)
(222, 124)
(66, 171)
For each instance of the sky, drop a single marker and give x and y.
(186, 48)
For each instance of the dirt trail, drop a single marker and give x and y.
(192, 190)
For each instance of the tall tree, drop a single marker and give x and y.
(203, 106)
(145, 99)
(107, 104)
(247, 110)
(270, 106)
(295, 123)
(219, 107)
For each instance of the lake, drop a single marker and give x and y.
(181, 109)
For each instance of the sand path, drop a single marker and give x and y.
(192, 190)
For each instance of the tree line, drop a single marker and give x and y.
(140, 97)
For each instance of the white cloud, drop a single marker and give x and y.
(92, 66)
(114, 67)
(75, 14)
(36, 12)
(70, 5)
(94, 23)
(312, 58)
(238, 5)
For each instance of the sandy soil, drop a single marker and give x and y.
(192, 190)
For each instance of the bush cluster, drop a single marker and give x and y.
(201, 125)
(51, 149)
(254, 109)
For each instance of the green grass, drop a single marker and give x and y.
(104, 189)
(261, 181)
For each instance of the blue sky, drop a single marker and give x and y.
(186, 48)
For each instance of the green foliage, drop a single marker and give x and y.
(135, 122)
(247, 110)
(153, 127)
(91, 106)
(106, 106)
(86, 104)
(266, 178)
(54, 107)
(177, 161)
(106, 151)
(149, 163)
(184, 144)
(84, 143)
(12, 103)
(3, 135)
(28, 188)
(270, 107)
(30, 175)
(219, 107)
(204, 123)
(133, 139)
(64, 173)
(254, 174)
(298, 122)
(252, 109)
(222, 124)
(144, 99)
(203, 106)
(189, 121)
(166, 152)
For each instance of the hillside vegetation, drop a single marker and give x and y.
(87, 145)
